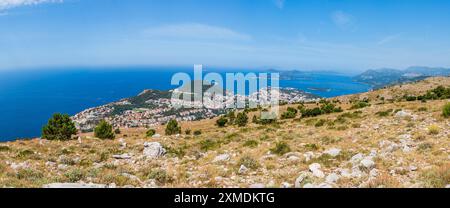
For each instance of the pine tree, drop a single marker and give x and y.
(59, 127)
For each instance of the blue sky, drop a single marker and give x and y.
(286, 34)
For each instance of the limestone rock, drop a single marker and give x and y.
(333, 152)
(153, 150)
(122, 156)
(367, 163)
(222, 158)
(332, 178)
(315, 169)
(75, 185)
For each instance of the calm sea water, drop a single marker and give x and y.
(29, 98)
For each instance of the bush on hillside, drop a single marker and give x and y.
(222, 122)
(59, 127)
(241, 119)
(173, 128)
(446, 110)
(150, 132)
(104, 130)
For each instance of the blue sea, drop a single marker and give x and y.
(29, 97)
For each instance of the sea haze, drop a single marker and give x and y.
(28, 98)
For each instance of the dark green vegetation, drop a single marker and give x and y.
(173, 128)
(150, 132)
(222, 121)
(241, 119)
(290, 113)
(281, 148)
(438, 93)
(360, 104)
(446, 110)
(104, 130)
(326, 107)
(59, 127)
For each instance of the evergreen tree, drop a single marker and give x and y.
(241, 119)
(221, 122)
(104, 130)
(59, 127)
(173, 127)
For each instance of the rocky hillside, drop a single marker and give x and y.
(379, 78)
(379, 140)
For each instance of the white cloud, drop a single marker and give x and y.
(279, 3)
(195, 31)
(388, 39)
(8, 4)
(342, 19)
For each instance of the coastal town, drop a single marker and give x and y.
(152, 107)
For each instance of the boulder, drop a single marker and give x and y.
(333, 152)
(74, 185)
(403, 114)
(373, 173)
(332, 178)
(367, 163)
(286, 185)
(309, 185)
(122, 156)
(315, 169)
(242, 169)
(153, 150)
(257, 185)
(357, 158)
(302, 177)
(222, 158)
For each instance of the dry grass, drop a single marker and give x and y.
(188, 162)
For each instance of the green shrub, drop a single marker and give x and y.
(231, 116)
(437, 177)
(384, 113)
(150, 132)
(249, 162)
(24, 153)
(208, 144)
(4, 148)
(255, 119)
(197, 132)
(159, 176)
(59, 127)
(117, 131)
(173, 127)
(281, 148)
(222, 122)
(251, 143)
(424, 147)
(29, 174)
(360, 104)
(311, 147)
(241, 119)
(410, 98)
(446, 110)
(104, 130)
(188, 131)
(74, 175)
(289, 114)
(433, 129)
(320, 123)
(422, 109)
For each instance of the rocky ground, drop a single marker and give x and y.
(388, 144)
